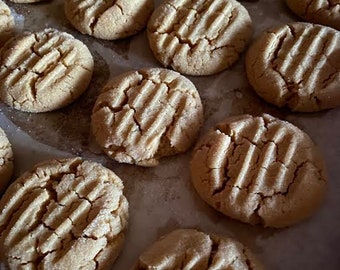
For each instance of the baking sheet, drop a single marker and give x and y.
(162, 198)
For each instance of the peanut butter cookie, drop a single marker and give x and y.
(191, 249)
(63, 214)
(144, 115)
(108, 19)
(199, 37)
(43, 71)
(259, 170)
(297, 66)
(326, 12)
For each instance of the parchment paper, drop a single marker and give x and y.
(162, 198)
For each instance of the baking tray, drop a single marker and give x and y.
(162, 198)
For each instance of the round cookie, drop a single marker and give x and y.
(191, 249)
(199, 37)
(144, 115)
(63, 214)
(259, 170)
(6, 160)
(297, 66)
(109, 19)
(6, 22)
(43, 71)
(326, 12)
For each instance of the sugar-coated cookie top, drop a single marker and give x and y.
(63, 214)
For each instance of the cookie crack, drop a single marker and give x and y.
(82, 197)
(231, 18)
(101, 9)
(226, 179)
(277, 193)
(197, 14)
(213, 251)
(290, 87)
(247, 260)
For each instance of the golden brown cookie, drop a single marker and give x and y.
(43, 71)
(259, 170)
(326, 12)
(63, 214)
(6, 22)
(108, 19)
(6, 160)
(191, 249)
(297, 66)
(199, 37)
(144, 115)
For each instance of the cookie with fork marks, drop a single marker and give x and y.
(144, 115)
(44, 71)
(199, 37)
(63, 214)
(192, 249)
(110, 20)
(259, 170)
(297, 66)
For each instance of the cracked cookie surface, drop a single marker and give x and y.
(6, 22)
(43, 71)
(259, 170)
(143, 115)
(298, 66)
(326, 12)
(192, 249)
(63, 214)
(199, 37)
(6, 160)
(108, 19)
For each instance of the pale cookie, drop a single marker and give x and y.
(199, 37)
(191, 249)
(63, 214)
(259, 170)
(144, 115)
(6, 22)
(297, 66)
(326, 12)
(108, 19)
(6, 160)
(43, 71)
